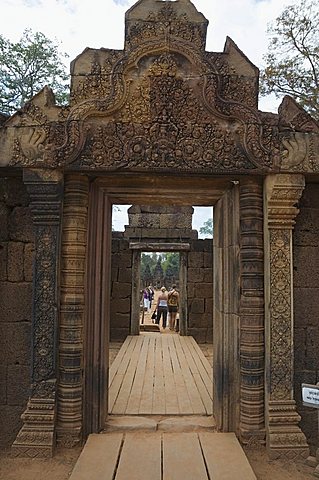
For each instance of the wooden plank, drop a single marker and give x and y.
(114, 390)
(99, 457)
(182, 457)
(185, 406)
(200, 360)
(118, 359)
(133, 404)
(194, 396)
(208, 367)
(140, 458)
(146, 403)
(224, 457)
(171, 401)
(159, 407)
(206, 399)
(125, 390)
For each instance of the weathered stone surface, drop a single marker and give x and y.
(119, 334)
(4, 216)
(20, 225)
(199, 334)
(3, 384)
(121, 305)
(120, 320)
(121, 290)
(306, 306)
(187, 424)
(204, 290)
(127, 423)
(208, 275)
(15, 261)
(13, 192)
(195, 259)
(15, 343)
(306, 260)
(125, 275)
(10, 423)
(195, 275)
(300, 346)
(208, 257)
(312, 342)
(3, 261)
(28, 262)
(197, 305)
(16, 301)
(18, 384)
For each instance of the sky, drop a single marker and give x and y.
(78, 24)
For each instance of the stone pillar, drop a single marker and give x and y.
(251, 313)
(73, 262)
(284, 437)
(37, 435)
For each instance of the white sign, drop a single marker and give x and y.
(310, 395)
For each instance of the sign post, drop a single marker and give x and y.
(310, 398)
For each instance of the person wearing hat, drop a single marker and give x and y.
(173, 306)
(161, 307)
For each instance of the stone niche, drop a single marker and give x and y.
(163, 224)
(306, 294)
(16, 259)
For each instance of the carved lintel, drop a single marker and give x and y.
(284, 437)
(37, 435)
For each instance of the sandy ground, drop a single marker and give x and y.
(61, 466)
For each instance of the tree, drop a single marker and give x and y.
(207, 228)
(292, 61)
(26, 67)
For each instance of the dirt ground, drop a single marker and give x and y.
(61, 466)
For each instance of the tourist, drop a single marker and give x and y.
(173, 306)
(161, 307)
(146, 299)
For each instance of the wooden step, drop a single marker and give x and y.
(162, 456)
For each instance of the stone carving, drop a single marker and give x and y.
(300, 152)
(284, 437)
(37, 435)
(73, 258)
(252, 314)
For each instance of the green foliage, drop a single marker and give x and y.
(26, 67)
(164, 265)
(207, 228)
(292, 61)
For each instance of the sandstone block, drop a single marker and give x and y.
(10, 423)
(204, 290)
(15, 261)
(306, 259)
(312, 357)
(121, 305)
(19, 380)
(28, 262)
(121, 290)
(15, 193)
(197, 305)
(3, 261)
(209, 305)
(119, 334)
(127, 423)
(114, 273)
(15, 343)
(199, 334)
(190, 290)
(195, 259)
(3, 384)
(120, 320)
(300, 335)
(208, 259)
(208, 275)
(4, 220)
(20, 225)
(16, 301)
(125, 275)
(306, 306)
(195, 275)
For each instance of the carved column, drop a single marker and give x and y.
(251, 313)
(284, 437)
(37, 435)
(73, 262)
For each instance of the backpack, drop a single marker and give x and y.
(172, 299)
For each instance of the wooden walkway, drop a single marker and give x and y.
(162, 456)
(160, 374)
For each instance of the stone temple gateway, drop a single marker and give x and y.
(162, 121)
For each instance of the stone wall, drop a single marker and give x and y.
(121, 287)
(306, 305)
(16, 258)
(200, 290)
